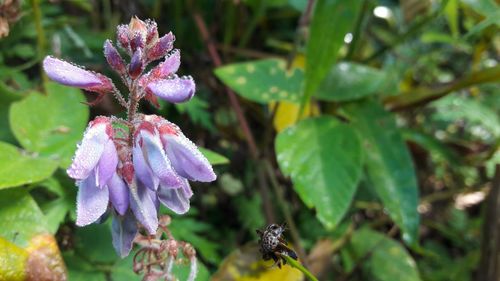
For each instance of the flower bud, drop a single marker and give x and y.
(162, 47)
(137, 26)
(113, 57)
(136, 66)
(122, 37)
(152, 33)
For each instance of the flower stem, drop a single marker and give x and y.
(297, 265)
(133, 101)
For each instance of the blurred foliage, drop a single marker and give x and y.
(376, 125)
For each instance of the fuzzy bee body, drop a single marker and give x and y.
(273, 245)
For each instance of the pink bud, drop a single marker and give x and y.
(137, 26)
(152, 33)
(113, 57)
(136, 66)
(162, 47)
(122, 37)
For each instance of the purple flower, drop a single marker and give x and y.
(152, 167)
(162, 81)
(164, 160)
(185, 157)
(69, 74)
(174, 90)
(94, 167)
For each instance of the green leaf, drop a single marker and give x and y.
(456, 108)
(51, 125)
(18, 168)
(350, 81)
(262, 81)
(193, 231)
(181, 272)
(451, 14)
(386, 259)
(198, 111)
(331, 21)
(213, 157)
(56, 210)
(80, 269)
(389, 165)
(94, 243)
(20, 217)
(324, 159)
(431, 144)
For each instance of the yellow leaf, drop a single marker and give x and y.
(12, 261)
(246, 264)
(287, 114)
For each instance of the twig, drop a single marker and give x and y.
(286, 211)
(301, 31)
(254, 152)
(40, 36)
(426, 94)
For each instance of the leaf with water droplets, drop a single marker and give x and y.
(324, 159)
(50, 124)
(262, 81)
(18, 168)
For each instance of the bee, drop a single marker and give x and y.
(273, 245)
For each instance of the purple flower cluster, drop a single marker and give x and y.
(126, 168)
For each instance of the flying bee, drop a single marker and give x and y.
(273, 245)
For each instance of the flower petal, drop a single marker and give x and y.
(176, 200)
(169, 66)
(187, 160)
(154, 154)
(91, 201)
(174, 90)
(118, 194)
(123, 231)
(68, 74)
(107, 164)
(71, 75)
(142, 169)
(89, 151)
(144, 208)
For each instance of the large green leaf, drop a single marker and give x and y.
(331, 21)
(18, 167)
(350, 81)
(324, 159)
(382, 258)
(388, 164)
(20, 217)
(262, 81)
(50, 124)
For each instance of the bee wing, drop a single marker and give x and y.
(282, 248)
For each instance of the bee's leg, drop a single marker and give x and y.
(276, 261)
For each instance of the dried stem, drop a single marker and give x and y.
(254, 151)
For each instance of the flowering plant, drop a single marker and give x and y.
(126, 168)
